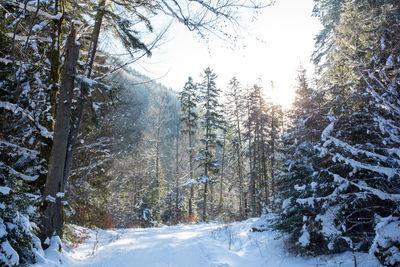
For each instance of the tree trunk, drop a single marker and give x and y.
(177, 175)
(220, 206)
(72, 136)
(204, 216)
(54, 79)
(77, 115)
(273, 131)
(252, 182)
(191, 178)
(95, 38)
(212, 204)
(52, 217)
(240, 165)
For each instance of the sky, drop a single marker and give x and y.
(271, 49)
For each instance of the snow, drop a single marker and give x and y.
(50, 199)
(19, 174)
(387, 235)
(313, 185)
(3, 230)
(299, 188)
(327, 131)
(305, 237)
(328, 224)
(389, 61)
(194, 245)
(382, 195)
(95, 106)
(39, 12)
(5, 61)
(4, 190)
(286, 203)
(9, 256)
(306, 201)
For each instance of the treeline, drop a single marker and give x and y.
(199, 155)
(339, 183)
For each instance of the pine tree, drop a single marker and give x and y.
(235, 112)
(257, 135)
(188, 100)
(296, 185)
(211, 121)
(357, 170)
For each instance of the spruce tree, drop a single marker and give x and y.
(295, 183)
(235, 112)
(189, 99)
(210, 123)
(357, 176)
(257, 132)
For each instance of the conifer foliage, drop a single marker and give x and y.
(189, 100)
(210, 123)
(300, 160)
(347, 188)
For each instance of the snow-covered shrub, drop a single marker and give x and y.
(386, 245)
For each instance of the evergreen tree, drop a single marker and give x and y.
(356, 171)
(188, 100)
(296, 185)
(257, 133)
(211, 121)
(235, 112)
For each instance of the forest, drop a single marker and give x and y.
(87, 140)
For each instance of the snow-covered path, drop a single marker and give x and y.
(191, 246)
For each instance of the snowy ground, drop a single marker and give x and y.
(194, 245)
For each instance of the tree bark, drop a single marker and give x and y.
(191, 175)
(240, 166)
(273, 131)
(222, 176)
(177, 175)
(52, 218)
(95, 38)
(77, 115)
(252, 180)
(54, 79)
(204, 216)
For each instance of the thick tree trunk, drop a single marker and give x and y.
(54, 79)
(77, 115)
(52, 218)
